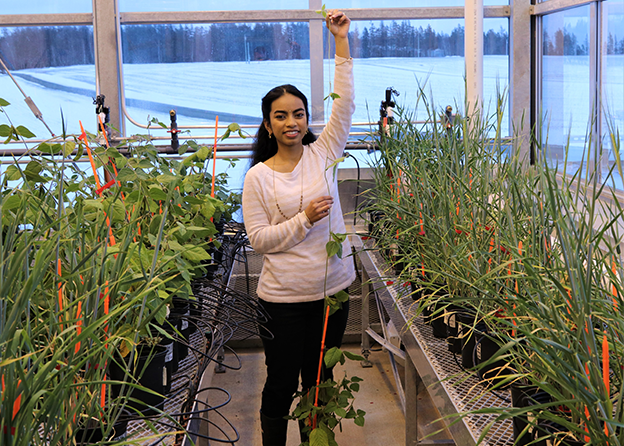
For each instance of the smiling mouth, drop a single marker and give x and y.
(292, 132)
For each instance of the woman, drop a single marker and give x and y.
(290, 204)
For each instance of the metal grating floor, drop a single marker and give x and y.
(464, 388)
(247, 283)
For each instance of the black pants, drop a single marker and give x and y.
(297, 330)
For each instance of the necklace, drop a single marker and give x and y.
(300, 198)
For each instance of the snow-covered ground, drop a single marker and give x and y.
(236, 88)
(233, 90)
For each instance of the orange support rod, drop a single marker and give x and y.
(320, 368)
(78, 325)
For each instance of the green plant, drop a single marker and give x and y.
(534, 251)
(79, 281)
(336, 403)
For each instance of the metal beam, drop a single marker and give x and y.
(46, 19)
(557, 5)
(302, 15)
(317, 80)
(520, 74)
(107, 69)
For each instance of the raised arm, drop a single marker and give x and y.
(338, 24)
(333, 138)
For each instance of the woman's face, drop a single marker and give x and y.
(288, 121)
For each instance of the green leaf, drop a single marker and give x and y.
(49, 149)
(359, 420)
(91, 203)
(13, 173)
(23, 131)
(156, 121)
(203, 153)
(318, 437)
(338, 237)
(354, 357)
(4, 103)
(126, 175)
(341, 296)
(157, 194)
(33, 168)
(195, 253)
(68, 148)
(13, 202)
(333, 356)
(145, 164)
(79, 152)
(154, 226)
(5, 130)
(333, 248)
(175, 246)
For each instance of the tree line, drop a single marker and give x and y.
(36, 47)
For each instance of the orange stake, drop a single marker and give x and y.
(318, 376)
(78, 325)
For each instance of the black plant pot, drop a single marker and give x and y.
(150, 366)
(524, 395)
(460, 323)
(487, 346)
(467, 332)
(171, 357)
(93, 432)
(440, 320)
(180, 316)
(438, 323)
(195, 307)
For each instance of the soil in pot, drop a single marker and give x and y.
(150, 366)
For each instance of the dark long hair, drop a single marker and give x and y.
(264, 147)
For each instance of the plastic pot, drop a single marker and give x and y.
(179, 317)
(438, 321)
(459, 323)
(487, 346)
(171, 357)
(467, 333)
(525, 395)
(152, 371)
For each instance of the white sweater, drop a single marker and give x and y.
(294, 250)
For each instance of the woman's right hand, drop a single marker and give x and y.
(337, 23)
(319, 208)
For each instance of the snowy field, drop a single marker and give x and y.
(233, 90)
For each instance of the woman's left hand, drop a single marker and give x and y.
(338, 23)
